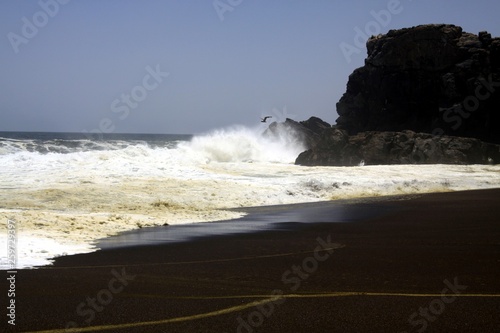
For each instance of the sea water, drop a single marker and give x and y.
(66, 190)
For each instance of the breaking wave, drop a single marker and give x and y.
(243, 144)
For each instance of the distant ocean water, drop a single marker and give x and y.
(66, 190)
(64, 143)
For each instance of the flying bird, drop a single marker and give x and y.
(263, 120)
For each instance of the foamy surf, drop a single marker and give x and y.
(63, 201)
(243, 144)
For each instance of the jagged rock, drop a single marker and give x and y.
(430, 78)
(315, 124)
(305, 132)
(337, 148)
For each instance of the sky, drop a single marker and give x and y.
(187, 67)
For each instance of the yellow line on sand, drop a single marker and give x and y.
(160, 322)
(336, 247)
(311, 295)
(241, 307)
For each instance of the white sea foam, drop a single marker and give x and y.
(242, 144)
(63, 202)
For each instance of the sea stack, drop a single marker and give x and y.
(434, 79)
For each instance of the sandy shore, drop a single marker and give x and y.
(427, 263)
(64, 206)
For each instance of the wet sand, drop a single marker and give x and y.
(429, 263)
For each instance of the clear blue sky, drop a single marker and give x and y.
(75, 69)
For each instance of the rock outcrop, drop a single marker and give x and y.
(427, 94)
(430, 78)
(337, 148)
(306, 132)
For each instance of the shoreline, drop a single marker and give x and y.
(252, 219)
(257, 219)
(247, 219)
(372, 275)
(70, 206)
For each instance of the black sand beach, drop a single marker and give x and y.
(422, 263)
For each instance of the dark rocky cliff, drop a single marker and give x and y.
(431, 78)
(427, 94)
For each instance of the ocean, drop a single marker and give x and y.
(64, 191)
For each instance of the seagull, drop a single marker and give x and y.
(263, 120)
